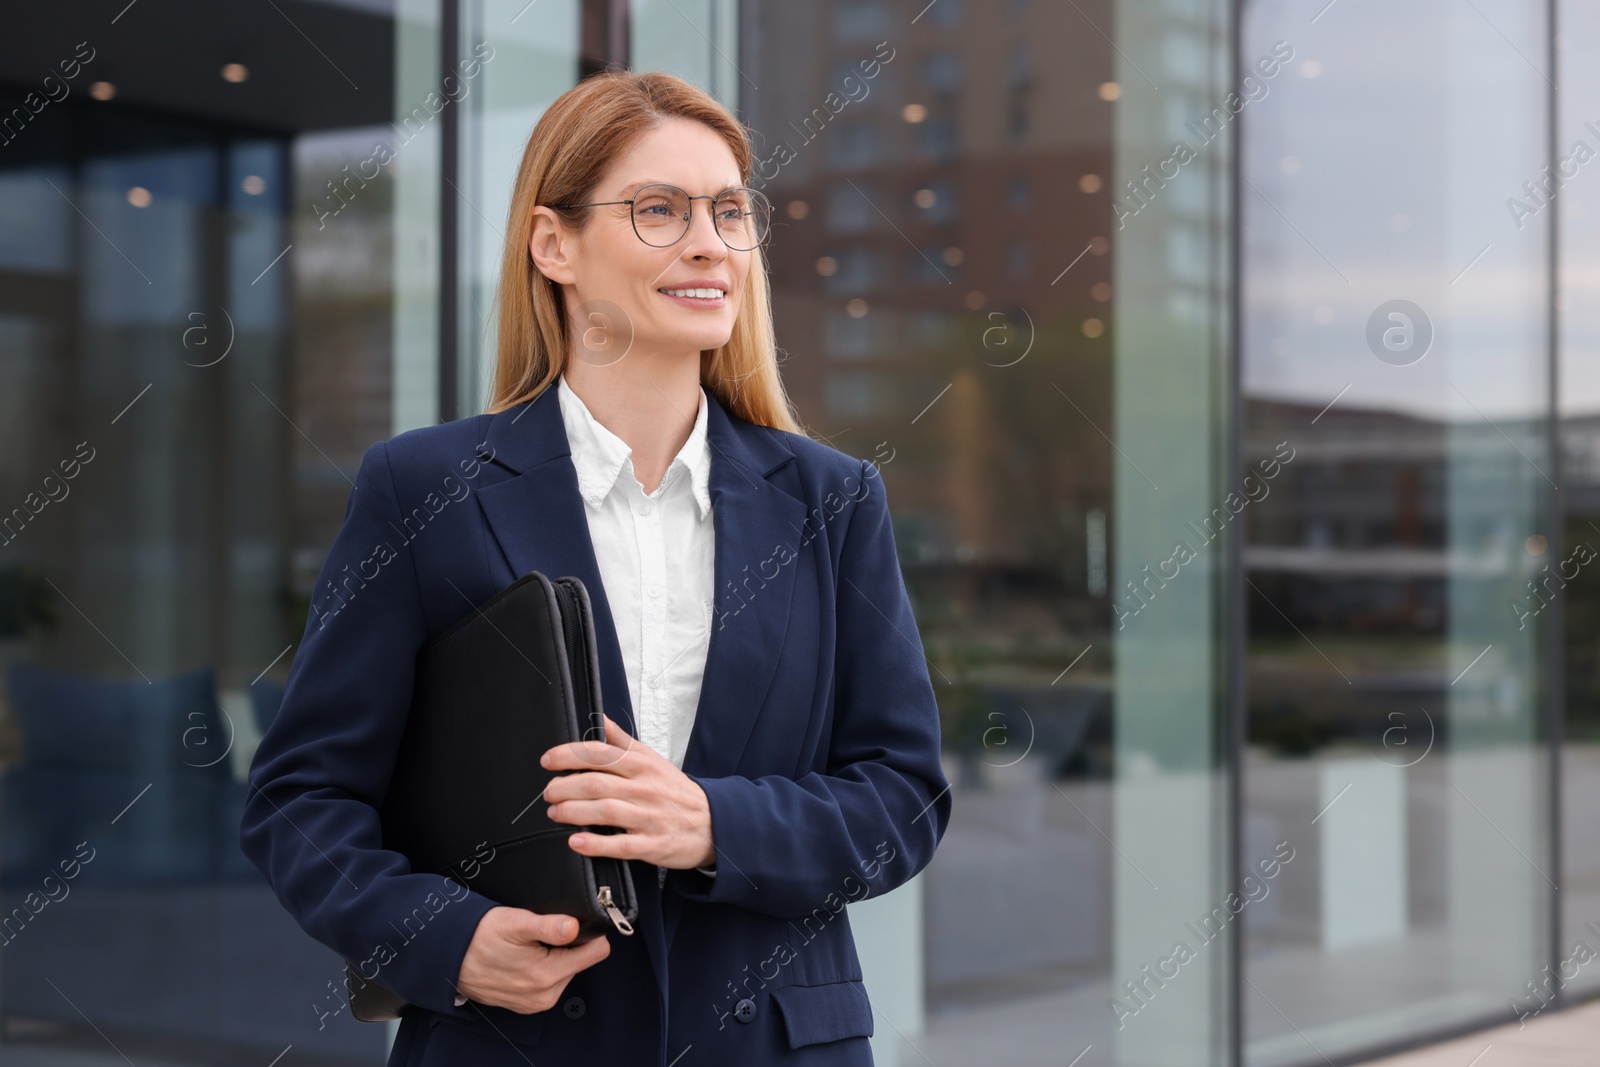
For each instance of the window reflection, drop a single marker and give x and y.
(193, 362)
(1392, 695)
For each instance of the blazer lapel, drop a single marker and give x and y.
(758, 527)
(539, 521)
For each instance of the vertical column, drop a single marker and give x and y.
(694, 39)
(604, 36)
(1170, 327)
(415, 398)
(513, 60)
(449, 218)
(1495, 343)
(415, 393)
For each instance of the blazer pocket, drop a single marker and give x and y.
(813, 1014)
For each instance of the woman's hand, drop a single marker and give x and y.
(511, 964)
(620, 782)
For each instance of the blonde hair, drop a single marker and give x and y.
(587, 128)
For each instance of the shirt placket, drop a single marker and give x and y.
(652, 571)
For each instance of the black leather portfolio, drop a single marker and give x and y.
(516, 676)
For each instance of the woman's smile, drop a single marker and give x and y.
(701, 293)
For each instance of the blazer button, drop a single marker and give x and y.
(745, 1010)
(574, 1008)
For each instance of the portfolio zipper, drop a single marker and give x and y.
(575, 638)
(577, 650)
(604, 897)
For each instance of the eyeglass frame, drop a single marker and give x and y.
(689, 223)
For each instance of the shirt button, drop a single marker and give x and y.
(645, 507)
(745, 1010)
(654, 592)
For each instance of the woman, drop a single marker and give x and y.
(772, 743)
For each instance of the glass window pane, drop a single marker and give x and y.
(1395, 347)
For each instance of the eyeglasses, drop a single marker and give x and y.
(661, 215)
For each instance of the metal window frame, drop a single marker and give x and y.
(449, 220)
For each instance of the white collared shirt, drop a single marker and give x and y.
(656, 556)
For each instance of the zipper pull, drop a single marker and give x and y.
(621, 924)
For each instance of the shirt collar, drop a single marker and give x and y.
(600, 455)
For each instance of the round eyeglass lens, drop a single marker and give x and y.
(661, 216)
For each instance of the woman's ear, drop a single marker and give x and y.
(550, 247)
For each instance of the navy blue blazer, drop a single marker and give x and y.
(816, 740)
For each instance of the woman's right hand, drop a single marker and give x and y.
(516, 960)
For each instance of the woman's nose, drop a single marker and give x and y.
(703, 238)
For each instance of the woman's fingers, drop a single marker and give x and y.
(520, 959)
(584, 756)
(539, 984)
(624, 846)
(523, 927)
(510, 962)
(606, 811)
(616, 735)
(595, 754)
(663, 813)
(591, 785)
(569, 961)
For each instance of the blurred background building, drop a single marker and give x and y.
(1234, 368)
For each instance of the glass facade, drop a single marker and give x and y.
(1395, 332)
(197, 298)
(1230, 364)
